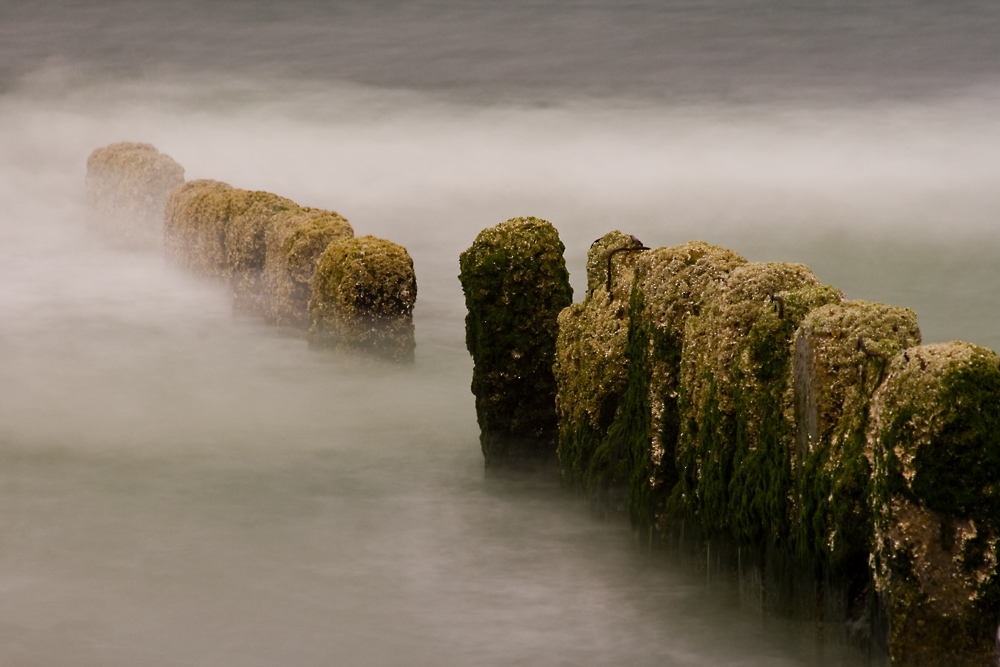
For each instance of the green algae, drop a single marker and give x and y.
(834, 380)
(934, 439)
(590, 366)
(515, 283)
(713, 391)
(760, 488)
(127, 187)
(623, 452)
(674, 283)
(294, 242)
(363, 293)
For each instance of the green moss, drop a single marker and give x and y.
(674, 282)
(590, 367)
(833, 383)
(619, 473)
(761, 488)
(723, 355)
(294, 241)
(127, 188)
(363, 293)
(618, 384)
(515, 283)
(934, 439)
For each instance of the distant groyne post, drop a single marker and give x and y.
(363, 293)
(127, 188)
(515, 282)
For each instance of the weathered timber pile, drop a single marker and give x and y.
(515, 283)
(127, 186)
(363, 293)
(849, 467)
(294, 266)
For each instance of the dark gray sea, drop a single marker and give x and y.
(179, 487)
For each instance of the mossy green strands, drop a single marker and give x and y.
(833, 384)
(674, 281)
(713, 341)
(515, 283)
(590, 367)
(761, 486)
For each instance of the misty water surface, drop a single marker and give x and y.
(180, 487)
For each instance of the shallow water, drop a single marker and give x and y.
(180, 487)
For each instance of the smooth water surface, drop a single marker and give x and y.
(180, 487)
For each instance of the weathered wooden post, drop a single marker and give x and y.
(515, 283)
(363, 293)
(934, 439)
(590, 366)
(127, 188)
(295, 241)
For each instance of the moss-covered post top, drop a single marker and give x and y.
(299, 237)
(515, 283)
(731, 307)
(137, 157)
(509, 251)
(610, 262)
(363, 293)
(675, 281)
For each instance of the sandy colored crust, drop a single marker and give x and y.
(363, 293)
(127, 188)
(294, 242)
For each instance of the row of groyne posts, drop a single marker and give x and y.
(750, 414)
(297, 267)
(743, 412)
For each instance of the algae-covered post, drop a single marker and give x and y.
(215, 230)
(295, 240)
(194, 227)
(733, 445)
(251, 216)
(618, 376)
(127, 188)
(672, 284)
(363, 293)
(934, 439)
(857, 472)
(515, 282)
(590, 367)
(833, 380)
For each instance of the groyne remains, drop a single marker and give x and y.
(294, 266)
(745, 411)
